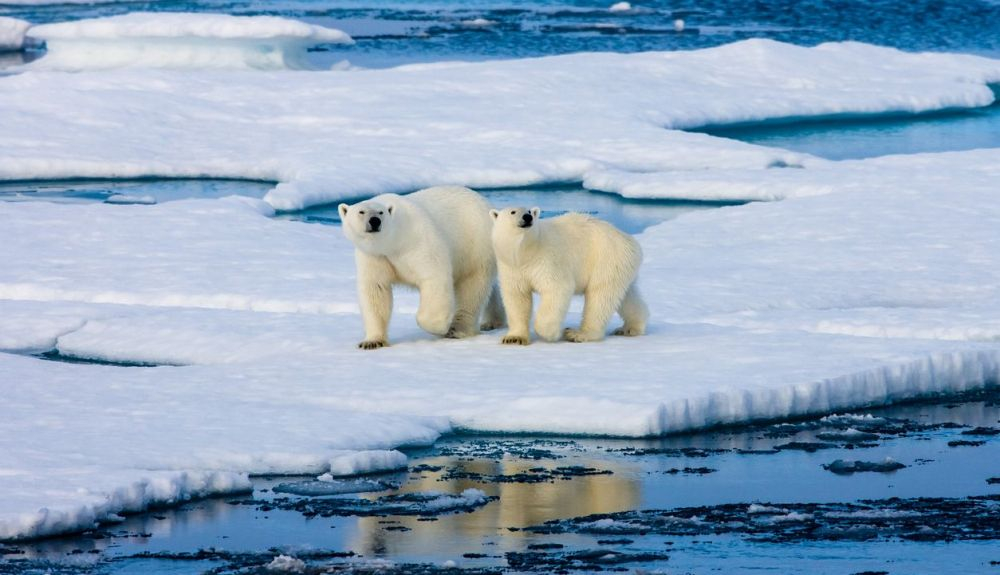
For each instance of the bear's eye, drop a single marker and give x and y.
(380, 213)
(362, 212)
(512, 212)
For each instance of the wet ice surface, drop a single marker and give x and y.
(736, 500)
(632, 216)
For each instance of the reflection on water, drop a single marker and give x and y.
(520, 505)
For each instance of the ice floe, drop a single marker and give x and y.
(181, 40)
(325, 136)
(12, 31)
(865, 286)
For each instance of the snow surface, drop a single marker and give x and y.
(12, 32)
(873, 281)
(181, 40)
(326, 136)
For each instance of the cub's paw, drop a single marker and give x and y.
(576, 336)
(627, 331)
(492, 325)
(455, 333)
(373, 344)
(515, 340)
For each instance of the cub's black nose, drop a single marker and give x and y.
(526, 218)
(374, 223)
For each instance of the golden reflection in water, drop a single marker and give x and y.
(520, 505)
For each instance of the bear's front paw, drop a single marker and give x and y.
(373, 344)
(515, 340)
(576, 336)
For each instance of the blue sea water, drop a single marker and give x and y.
(396, 31)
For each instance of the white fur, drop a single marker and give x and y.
(436, 240)
(557, 258)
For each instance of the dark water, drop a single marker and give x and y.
(401, 31)
(548, 497)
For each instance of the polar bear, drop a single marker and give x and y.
(559, 257)
(436, 240)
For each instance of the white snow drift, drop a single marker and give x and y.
(181, 40)
(874, 281)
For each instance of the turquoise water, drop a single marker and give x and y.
(855, 139)
(632, 216)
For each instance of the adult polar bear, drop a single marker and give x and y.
(560, 257)
(436, 240)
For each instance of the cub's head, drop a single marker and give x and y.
(368, 224)
(515, 220)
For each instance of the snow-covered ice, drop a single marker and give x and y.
(181, 40)
(872, 281)
(12, 31)
(325, 136)
(362, 462)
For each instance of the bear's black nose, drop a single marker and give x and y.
(374, 223)
(526, 218)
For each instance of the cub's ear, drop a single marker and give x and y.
(342, 208)
(535, 212)
(494, 213)
(389, 208)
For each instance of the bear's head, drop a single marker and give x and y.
(369, 225)
(515, 220)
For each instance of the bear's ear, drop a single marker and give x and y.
(389, 208)
(535, 212)
(494, 213)
(342, 208)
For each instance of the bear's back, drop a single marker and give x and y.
(462, 217)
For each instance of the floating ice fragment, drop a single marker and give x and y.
(620, 7)
(847, 467)
(131, 199)
(478, 23)
(679, 25)
(758, 509)
(181, 40)
(12, 33)
(286, 564)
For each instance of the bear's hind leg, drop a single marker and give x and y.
(471, 294)
(599, 304)
(634, 313)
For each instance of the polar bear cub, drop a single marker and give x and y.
(559, 257)
(436, 240)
